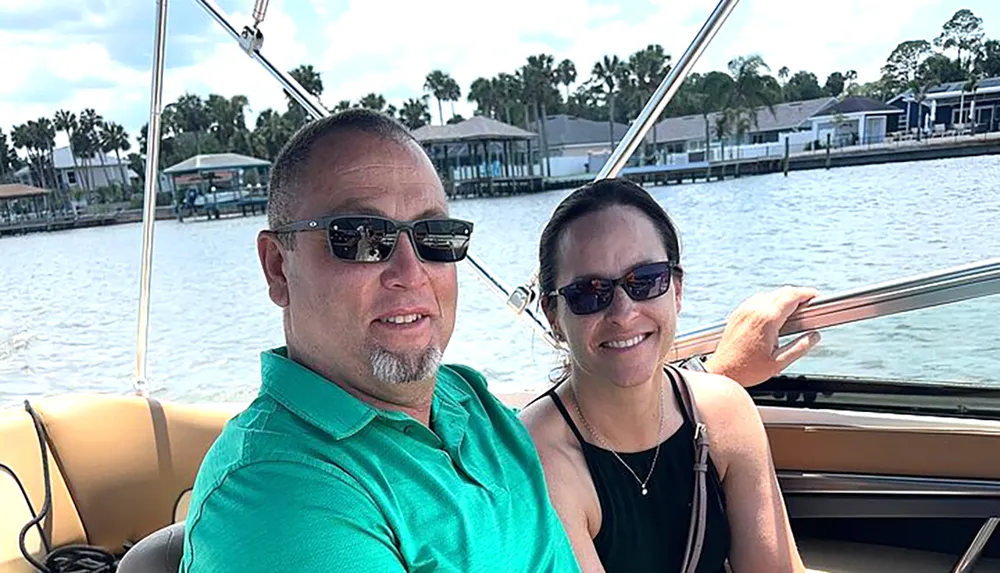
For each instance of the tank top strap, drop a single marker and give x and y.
(674, 375)
(565, 414)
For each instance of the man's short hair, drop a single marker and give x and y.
(290, 165)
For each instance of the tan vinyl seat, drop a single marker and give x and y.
(121, 468)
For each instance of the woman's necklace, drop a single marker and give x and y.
(642, 483)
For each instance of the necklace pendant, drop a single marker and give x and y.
(644, 492)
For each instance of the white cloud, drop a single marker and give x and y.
(388, 46)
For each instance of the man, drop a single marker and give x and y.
(362, 452)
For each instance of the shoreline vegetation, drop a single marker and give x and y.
(614, 91)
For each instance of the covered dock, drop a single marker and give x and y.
(213, 184)
(482, 157)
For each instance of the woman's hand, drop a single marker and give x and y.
(749, 352)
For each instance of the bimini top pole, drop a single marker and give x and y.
(525, 294)
(665, 91)
(936, 288)
(140, 383)
(252, 40)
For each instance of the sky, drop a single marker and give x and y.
(74, 54)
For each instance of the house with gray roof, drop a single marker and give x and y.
(95, 172)
(687, 133)
(854, 120)
(569, 135)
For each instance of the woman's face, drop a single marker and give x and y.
(627, 342)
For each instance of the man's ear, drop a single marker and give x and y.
(272, 259)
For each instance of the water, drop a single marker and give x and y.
(68, 318)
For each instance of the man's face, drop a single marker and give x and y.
(342, 318)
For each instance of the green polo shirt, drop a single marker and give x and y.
(308, 478)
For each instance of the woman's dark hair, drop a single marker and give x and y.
(596, 197)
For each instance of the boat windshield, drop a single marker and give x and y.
(941, 360)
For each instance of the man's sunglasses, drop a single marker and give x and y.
(372, 239)
(644, 282)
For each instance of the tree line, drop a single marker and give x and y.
(615, 90)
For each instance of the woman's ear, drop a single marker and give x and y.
(548, 304)
(678, 288)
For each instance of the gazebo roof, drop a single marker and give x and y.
(478, 128)
(215, 161)
(17, 191)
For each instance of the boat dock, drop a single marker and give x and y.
(890, 152)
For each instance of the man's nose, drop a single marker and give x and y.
(404, 269)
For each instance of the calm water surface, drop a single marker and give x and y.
(68, 318)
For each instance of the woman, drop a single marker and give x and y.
(614, 437)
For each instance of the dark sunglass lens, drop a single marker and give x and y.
(588, 296)
(442, 240)
(648, 281)
(365, 239)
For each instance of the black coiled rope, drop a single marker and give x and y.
(70, 558)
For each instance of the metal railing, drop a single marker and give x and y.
(945, 286)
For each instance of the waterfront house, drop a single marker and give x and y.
(686, 134)
(953, 108)
(854, 120)
(93, 173)
(570, 136)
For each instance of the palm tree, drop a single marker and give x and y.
(750, 93)
(566, 75)
(373, 101)
(436, 82)
(65, 121)
(783, 74)
(415, 113)
(506, 88)
(452, 93)
(310, 80)
(711, 93)
(482, 92)
(609, 72)
(270, 134)
(46, 134)
(114, 138)
(87, 139)
(648, 68)
(539, 83)
(6, 165)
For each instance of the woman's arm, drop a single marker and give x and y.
(762, 537)
(568, 482)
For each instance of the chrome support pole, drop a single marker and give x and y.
(259, 11)
(665, 91)
(945, 286)
(140, 384)
(316, 110)
(518, 300)
(968, 560)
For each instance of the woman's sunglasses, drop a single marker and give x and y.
(644, 282)
(372, 239)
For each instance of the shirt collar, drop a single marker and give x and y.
(330, 408)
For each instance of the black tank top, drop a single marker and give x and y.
(649, 533)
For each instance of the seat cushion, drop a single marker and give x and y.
(159, 552)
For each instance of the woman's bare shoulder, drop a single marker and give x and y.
(728, 413)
